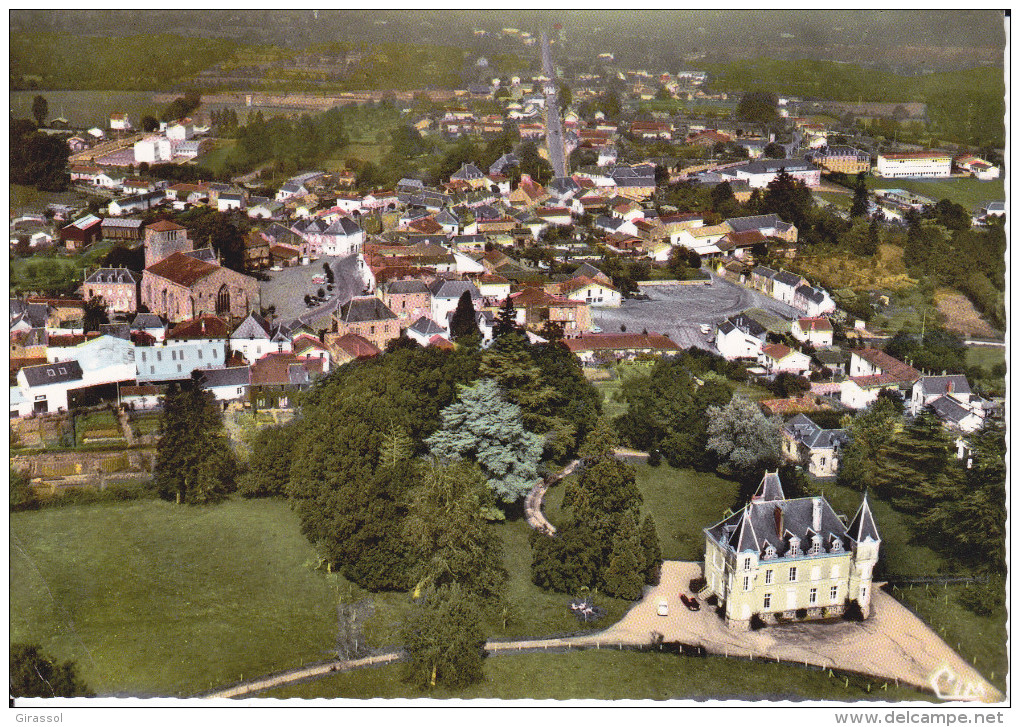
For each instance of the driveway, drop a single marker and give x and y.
(678, 311)
(892, 644)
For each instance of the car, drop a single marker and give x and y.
(691, 603)
(706, 329)
(596, 329)
(663, 607)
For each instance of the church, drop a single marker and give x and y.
(180, 282)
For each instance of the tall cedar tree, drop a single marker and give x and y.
(194, 461)
(481, 426)
(449, 541)
(651, 550)
(506, 320)
(575, 399)
(918, 466)
(789, 198)
(443, 640)
(509, 362)
(625, 574)
(463, 323)
(859, 206)
(36, 674)
(94, 314)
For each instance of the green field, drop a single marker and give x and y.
(215, 159)
(969, 192)
(31, 199)
(614, 675)
(83, 109)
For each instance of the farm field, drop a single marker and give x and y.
(87, 108)
(961, 315)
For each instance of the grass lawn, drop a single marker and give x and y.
(985, 356)
(215, 159)
(612, 675)
(151, 598)
(969, 192)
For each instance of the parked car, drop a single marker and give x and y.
(663, 607)
(691, 603)
(706, 329)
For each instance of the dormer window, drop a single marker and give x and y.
(770, 552)
(837, 546)
(816, 545)
(794, 546)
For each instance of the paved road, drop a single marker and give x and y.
(554, 129)
(678, 311)
(287, 288)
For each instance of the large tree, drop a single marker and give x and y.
(483, 427)
(869, 431)
(859, 205)
(272, 453)
(758, 106)
(443, 640)
(40, 110)
(463, 323)
(789, 198)
(94, 314)
(745, 440)
(36, 674)
(194, 461)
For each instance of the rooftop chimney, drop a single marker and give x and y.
(816, 514)
(778, 515)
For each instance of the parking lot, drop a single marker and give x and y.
(286, 289)
(678, 311)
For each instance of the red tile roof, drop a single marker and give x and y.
(569, 286)
(815, 324)
(356, 346)
(892, 369)
(164, 226)
(182, 269)
(441, 342)
(274, 368)
(776, 351)
(205, 326)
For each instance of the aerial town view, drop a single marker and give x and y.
(509, 355)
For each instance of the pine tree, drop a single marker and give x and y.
(506, 320)
(463, 322)
(859, 206)
(194, 461)
(483, 427)
(917, 467)
(396, 446)
(34, 673)
(624, 576)
(652, 550)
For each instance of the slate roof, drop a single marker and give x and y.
(770, 488)
(252, 327)
(122, 222)
(343, 226)
(453, 289)
(806, 432)
(468, 171)
(745, 324)
(426, 327)
(863, 525)
(143, 321)
(507, 160)
(182, 269)
(770, 166)
(230, 376)
(786, 278)
(754, 527)
(112, 275)
(815, 295)
(406, 287)
(937, 385)
(117, 330)
(365, 308)
(53, 373)
(756, 222)
(205, 254)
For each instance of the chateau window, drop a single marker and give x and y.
(864, 592)
(747, 583)
(747, 563)
(813, 596)
(816, 547)
(770, 552)
(793, 574)
(767, 601)
(768, 577)
(833, 593)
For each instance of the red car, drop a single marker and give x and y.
(691, 603)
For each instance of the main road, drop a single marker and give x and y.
(553, 127)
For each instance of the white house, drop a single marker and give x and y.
(929, 388)
(423, 329)
(227, 384)
(779, 359)
(343, 237)
(814, 331)
(103, 360)
(784, 286)
(153, 150)
(226, 202)
(593, 292)
(914, 164)
(813, 302)
(446, 294)
(180, 131)
(740, 337)
(253, 338)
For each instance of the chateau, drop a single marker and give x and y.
(790, 560)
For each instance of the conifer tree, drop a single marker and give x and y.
(917, 467)
(463, 322)
(624, 576)
(506, 320)
(483, 427)
(859, 206)
(652, 550)
(443, 640)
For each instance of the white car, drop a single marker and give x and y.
(706, 329)
(663, 607)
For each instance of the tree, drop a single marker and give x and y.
(40, 110)
(859, 206)
(773, 150)
(272, 451)
(483, 427)
(564, 95)
(651, 549)
(789, 198)
(743, 438)
(463, 322)
(625, 575)
(758, 106)
(149, 123)
(36, 674)
(194, 461)
(22, 496)
(788, 385)
(606, 489)
(663, 94)
(443, 640)
(723, 200)
(567, 563)
(37, 159)
(533, 164)
(918, 468)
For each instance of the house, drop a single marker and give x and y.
(492, 287)
(816, 449)
(812, 301)
(44, 388)
(114, 228)
(446, 295)
(776, 358)
(408, 299)
(529, 193)
(254, 338)
(149, 324)
(961, 412)
(914, 164)
(843, 159)
(104, 359)
(814, 331)
(350, 347)
(778, 560)
(424, 329)
(118, 287)
(872, 371)
(591, 346)
(81, 233)
(979, 168)
(197, 343)
(540, 308)
(306, 346)
(227, 384)
(740, 336)
(929, 388)
(227, 201)
(276, 379)
(182, 286)
(768, 225)
(343, 237)
(368, 317)
(593, 292)
(153, 150)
